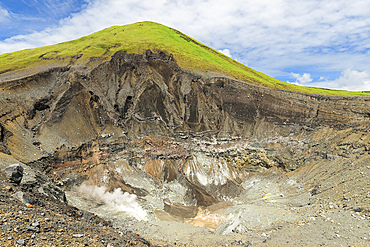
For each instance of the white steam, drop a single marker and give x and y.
(117, 200)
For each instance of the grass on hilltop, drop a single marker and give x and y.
(137, 38)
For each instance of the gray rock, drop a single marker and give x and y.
(30, 176)
(24, 197)
(33, 229)
(78, 235)
(21, 242)
(240, 243)
(87, 216)
(358, 209)
(53, 191)
(5, 227)
(14, 173)
(36, 224)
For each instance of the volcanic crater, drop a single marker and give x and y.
(188, 156)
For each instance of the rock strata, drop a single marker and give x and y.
(180, 142)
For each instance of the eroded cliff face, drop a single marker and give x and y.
(142, 124)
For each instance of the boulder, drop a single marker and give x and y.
(53, 191)
(14, 173)
(24, 197)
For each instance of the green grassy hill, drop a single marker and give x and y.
(137, 38)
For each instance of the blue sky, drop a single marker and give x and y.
(313, 43)
(27, 16)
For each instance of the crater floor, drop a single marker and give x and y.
(273, 209)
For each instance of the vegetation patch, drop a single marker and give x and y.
(137, 38)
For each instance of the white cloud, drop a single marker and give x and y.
(259, 27)
(349, 79)
(352, 80)
(226, 52)
(4, 15)
(58, 7)
(302, 79)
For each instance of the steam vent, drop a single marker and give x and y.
(140, 135)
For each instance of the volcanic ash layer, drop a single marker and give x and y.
(175, 144)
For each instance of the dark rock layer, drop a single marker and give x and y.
(72, 120)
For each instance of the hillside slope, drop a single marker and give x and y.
(136, 39)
